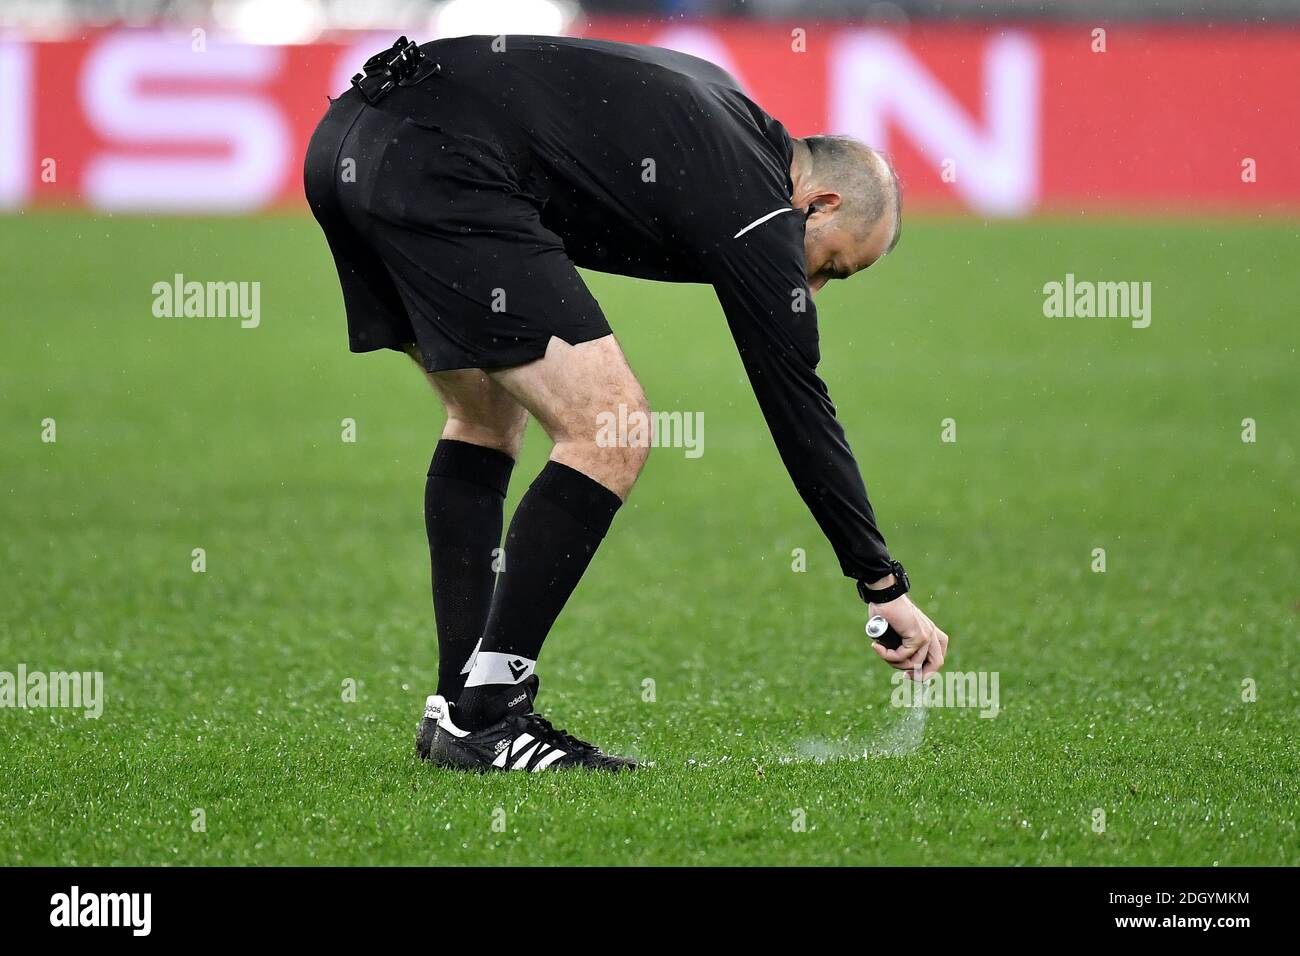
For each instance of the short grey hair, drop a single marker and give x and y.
(863, 177)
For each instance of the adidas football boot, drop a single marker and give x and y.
(518, 742)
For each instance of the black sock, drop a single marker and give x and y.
(464, 499)
(554, 533)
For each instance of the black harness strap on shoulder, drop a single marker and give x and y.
(402, 64)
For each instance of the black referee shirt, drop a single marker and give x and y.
(654, 164)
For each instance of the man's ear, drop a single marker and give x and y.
(822, 204)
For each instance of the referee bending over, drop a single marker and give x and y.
(458, 184)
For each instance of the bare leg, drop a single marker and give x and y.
(566, 391)
(479, 411)
(561, 520)
(464, 500)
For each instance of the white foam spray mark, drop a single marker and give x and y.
(900, 737)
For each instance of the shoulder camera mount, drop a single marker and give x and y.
(402, 64)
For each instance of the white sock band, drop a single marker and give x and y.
(493, 668)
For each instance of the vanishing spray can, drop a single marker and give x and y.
(878, 630)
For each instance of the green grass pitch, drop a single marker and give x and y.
(1120, 691)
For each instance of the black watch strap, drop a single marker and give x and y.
(896, 590)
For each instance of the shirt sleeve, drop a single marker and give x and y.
(760, 280)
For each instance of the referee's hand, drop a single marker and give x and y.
(924, 646)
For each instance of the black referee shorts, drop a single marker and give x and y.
(436, 240)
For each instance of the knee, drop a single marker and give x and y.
(639, 449)
(623, 437)
(503, 431)
(609, 444)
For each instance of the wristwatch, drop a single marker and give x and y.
(896, 590)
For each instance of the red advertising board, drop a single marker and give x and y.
(999, 120)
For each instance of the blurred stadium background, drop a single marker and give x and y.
(1001, 107)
